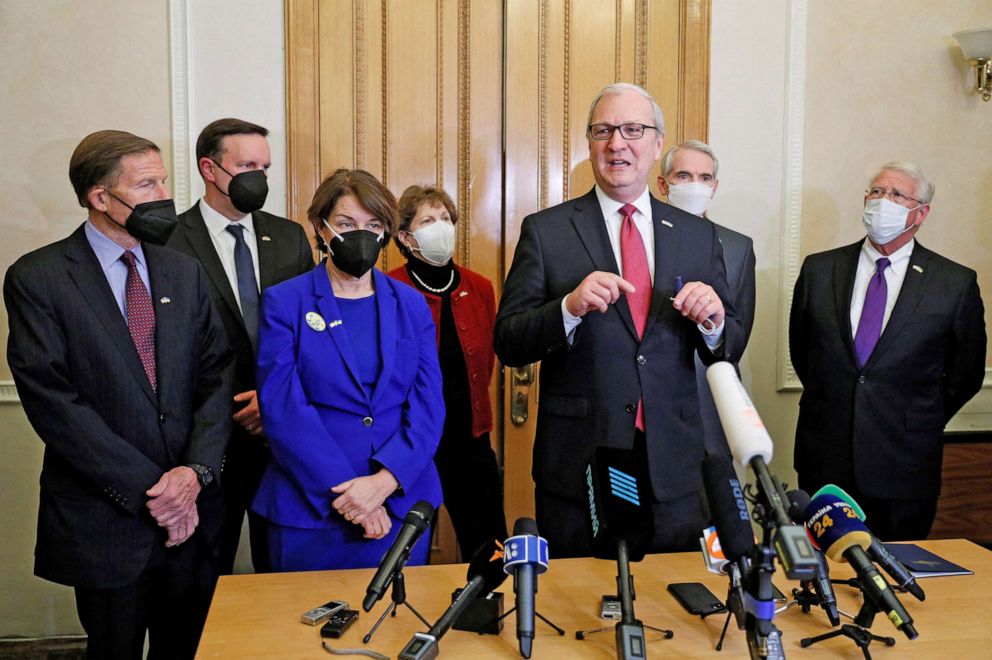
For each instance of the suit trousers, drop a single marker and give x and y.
(170, 600)
(565, 522)
(244, 465)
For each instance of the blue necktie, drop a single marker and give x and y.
(870, 326)
(247, 286)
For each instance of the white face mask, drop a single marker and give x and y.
(885, 220)
(436, 241)
(690, 197)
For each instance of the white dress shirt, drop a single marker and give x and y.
(224, 243)
(894, 276)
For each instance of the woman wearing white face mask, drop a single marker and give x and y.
(464, 309)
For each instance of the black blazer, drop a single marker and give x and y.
(589, 390)
(108, 437)
(283, 252)
(879, 427)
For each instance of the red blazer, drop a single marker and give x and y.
(473, 305)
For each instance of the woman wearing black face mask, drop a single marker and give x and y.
(350, 392)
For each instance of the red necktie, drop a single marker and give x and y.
(140, 317)
(635, 271)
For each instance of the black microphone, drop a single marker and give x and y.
(837, 529)
(525, 556)
(798, 503)
(878, 552)
(619, 503)
(728, 507)
(416, 521)
(485, 573)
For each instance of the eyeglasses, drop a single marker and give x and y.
(893, 195)
(627, 131)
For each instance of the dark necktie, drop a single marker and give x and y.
(140, 317)
(870, 325)
(635, 271)
(247, 285)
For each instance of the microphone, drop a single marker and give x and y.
(728, 507)
(485, 573)
(878, 552)
(798, 503)
(525, 556)
(751, 445)
(839, 532)
(416, 521)
(619, 496)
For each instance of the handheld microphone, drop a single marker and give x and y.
(877, 551)
(416, 521)
(839, 532)
(798, 503)
(485, 573)
(728, 507)
(525, 556)
(619, 503)
(751, 445)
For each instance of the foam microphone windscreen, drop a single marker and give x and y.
(487, 563)
(835, 526)
(837, 491)
(728, 507)
(746, 433)
(798, 503)
(619, 502)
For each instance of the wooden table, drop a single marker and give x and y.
(258, 616)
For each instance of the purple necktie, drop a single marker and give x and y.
(140, 317)
(870, 326)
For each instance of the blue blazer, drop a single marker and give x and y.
(322, 426)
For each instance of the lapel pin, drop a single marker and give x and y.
(336, 323)
(918, 269)
(463, 294)
(165, 300)
(316, 321)
(266, 238)
(668, 224)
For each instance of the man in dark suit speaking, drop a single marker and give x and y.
(615, 292)
(689, 179)
(888, 339)
(122, 367)
(244, 251)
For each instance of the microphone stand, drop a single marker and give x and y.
(398, 594)
(859, 631)
(630, 630)
(560, 631)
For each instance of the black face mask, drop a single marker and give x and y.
(355, 251)
(151, 222)
(247, 190)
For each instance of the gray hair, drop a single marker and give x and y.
(668, 160)
(620, 88)
(924, 186)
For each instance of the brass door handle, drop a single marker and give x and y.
(519, 399)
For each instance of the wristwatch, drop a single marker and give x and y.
(203, 474)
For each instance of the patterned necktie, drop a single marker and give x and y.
(870, 325)
(140, 317)
(247, 285)
(635, 271)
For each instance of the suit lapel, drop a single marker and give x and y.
(667, 243)
(386, 304)
(198, 237)
(910, 294)
(591, 227)
(328, 308)
(845, 269)
(266, 251)
(85, 271)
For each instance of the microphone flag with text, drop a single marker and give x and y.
(416, 521)
(619, 503)
(837, 530)
(525, 556)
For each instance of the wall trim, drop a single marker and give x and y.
(8, 392)
(181, 79)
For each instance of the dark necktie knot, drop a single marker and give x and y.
(238, 231)
(129, 258)
(628, 211)
(881, 264)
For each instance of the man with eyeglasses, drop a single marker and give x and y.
(614, 292)
(888, 339)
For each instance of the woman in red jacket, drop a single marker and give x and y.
(464, 310)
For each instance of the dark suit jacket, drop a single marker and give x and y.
(880, 426)
(738, 256)
(589, 390)
(108, 437)
(323, 426)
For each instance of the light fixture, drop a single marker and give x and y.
(976, 45)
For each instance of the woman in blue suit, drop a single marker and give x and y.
(350, 392)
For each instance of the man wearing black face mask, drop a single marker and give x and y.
(244, 250)
(123, 369)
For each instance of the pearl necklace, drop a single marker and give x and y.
(444, 288)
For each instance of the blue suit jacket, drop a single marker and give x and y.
(322, 426)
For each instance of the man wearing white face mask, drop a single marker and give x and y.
(889, 341)
(689, 179)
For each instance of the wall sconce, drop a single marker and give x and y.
(976, 45)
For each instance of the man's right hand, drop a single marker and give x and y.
(183, 529)
(598, 290)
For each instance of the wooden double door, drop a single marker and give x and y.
(489, 100)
